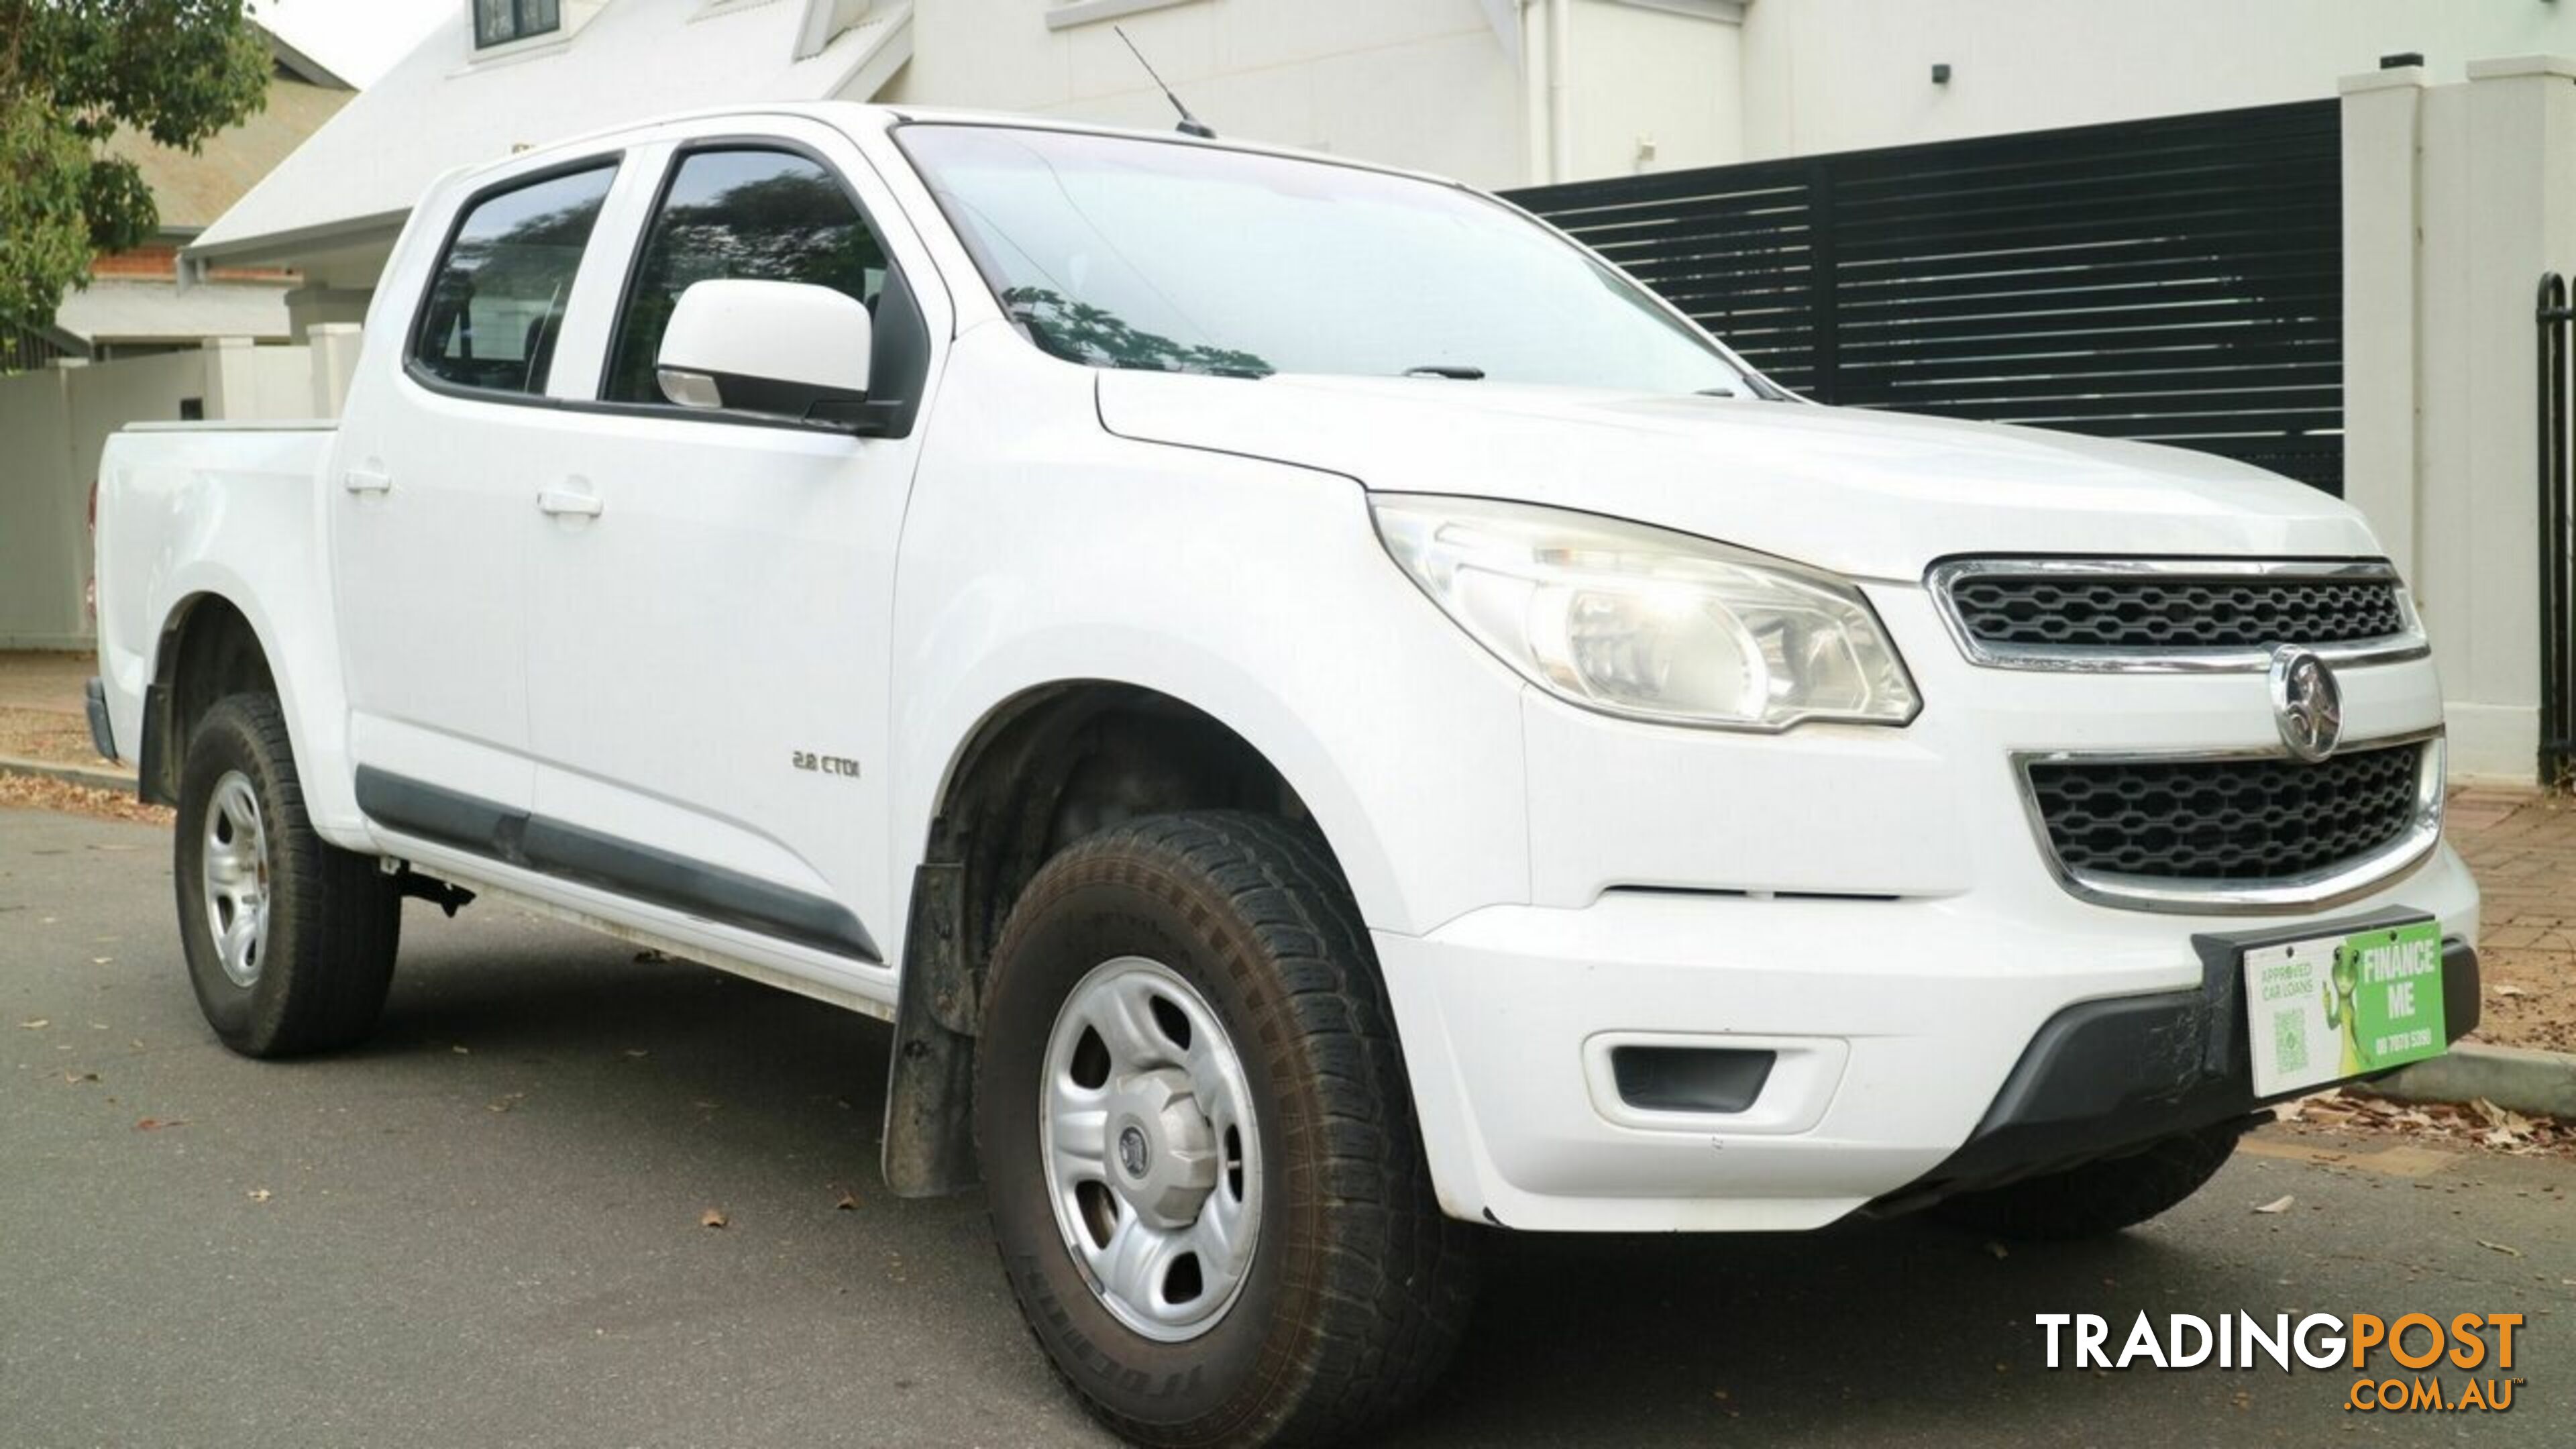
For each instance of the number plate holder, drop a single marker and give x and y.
(2343, 1003)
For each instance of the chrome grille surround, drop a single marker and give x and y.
(2312, 887)
(2171, 580)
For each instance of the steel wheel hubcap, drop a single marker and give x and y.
(1151, 1151)
(236, 878)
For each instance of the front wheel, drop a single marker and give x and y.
(290, 941)
(1199, 1145)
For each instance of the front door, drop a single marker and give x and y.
(712, 596)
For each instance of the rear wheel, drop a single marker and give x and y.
(290, 941)
(1198, 1142)
(2099, 1197)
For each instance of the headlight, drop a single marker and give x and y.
(1647, 623)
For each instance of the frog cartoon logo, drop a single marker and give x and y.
(2343, 983)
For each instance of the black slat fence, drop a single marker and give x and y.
(2177, 280)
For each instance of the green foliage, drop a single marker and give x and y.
(72, 72)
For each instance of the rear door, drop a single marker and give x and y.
(432, 523)
(708, 646)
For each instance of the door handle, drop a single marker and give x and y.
(367, 480)
(564, 502)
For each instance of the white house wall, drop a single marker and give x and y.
(1839, 75)
(1422, 83)
(56, 421)
(2458, 197)
(1653, 89)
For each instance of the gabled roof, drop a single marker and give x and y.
(443, 106)
(192, 190)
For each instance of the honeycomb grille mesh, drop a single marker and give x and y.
(2228, 820)
(2172, 612)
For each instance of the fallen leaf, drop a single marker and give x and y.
(712, 1218)
(38, 1024)
(260, 1194)
(2279, 1204)
(461, 1051)
(2507, 988)
(2508, 1251)
(76, 1078)
(504, 1102)
(155, 1124)
(849, 1201)
(1998, 1250)
(100, 960)
(638, 1052)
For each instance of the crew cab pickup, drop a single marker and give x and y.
(1331, 721)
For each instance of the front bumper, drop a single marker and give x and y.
(2103, 1078)
(1921, 1045)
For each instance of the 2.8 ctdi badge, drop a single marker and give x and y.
(2332, 1007)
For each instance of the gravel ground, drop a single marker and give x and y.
(48, 735)
(28, 792)
(2523, 847)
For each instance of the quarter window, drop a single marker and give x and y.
(770, 216)
(498, 22)
(497, 300)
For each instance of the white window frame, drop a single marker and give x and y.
(474, 10)
(1066, 14)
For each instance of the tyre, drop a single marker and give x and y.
(1198, 1141)
(2099, 1197)
(289, 940)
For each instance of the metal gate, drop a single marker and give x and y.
(2557, 447)
(2177, 280)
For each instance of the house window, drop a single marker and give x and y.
(498, 22)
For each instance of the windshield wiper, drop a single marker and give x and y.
(1447, 369)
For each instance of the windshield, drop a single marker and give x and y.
(1128, 252)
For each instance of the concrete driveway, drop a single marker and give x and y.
(486, 1229)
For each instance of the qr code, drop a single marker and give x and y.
(2290, 1040)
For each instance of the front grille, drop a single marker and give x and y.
(2226, 820)
(2065, 611)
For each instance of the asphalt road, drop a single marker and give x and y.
(485, 1229)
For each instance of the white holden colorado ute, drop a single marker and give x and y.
(1331, 722)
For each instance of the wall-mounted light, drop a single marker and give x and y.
(2401, 60)
(1941, 73)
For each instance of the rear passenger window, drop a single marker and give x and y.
(763, 216)
(497, 299)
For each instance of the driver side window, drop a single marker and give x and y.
(738, 213)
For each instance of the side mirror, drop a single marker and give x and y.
(789, 348)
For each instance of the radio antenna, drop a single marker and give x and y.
(1190, 125)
